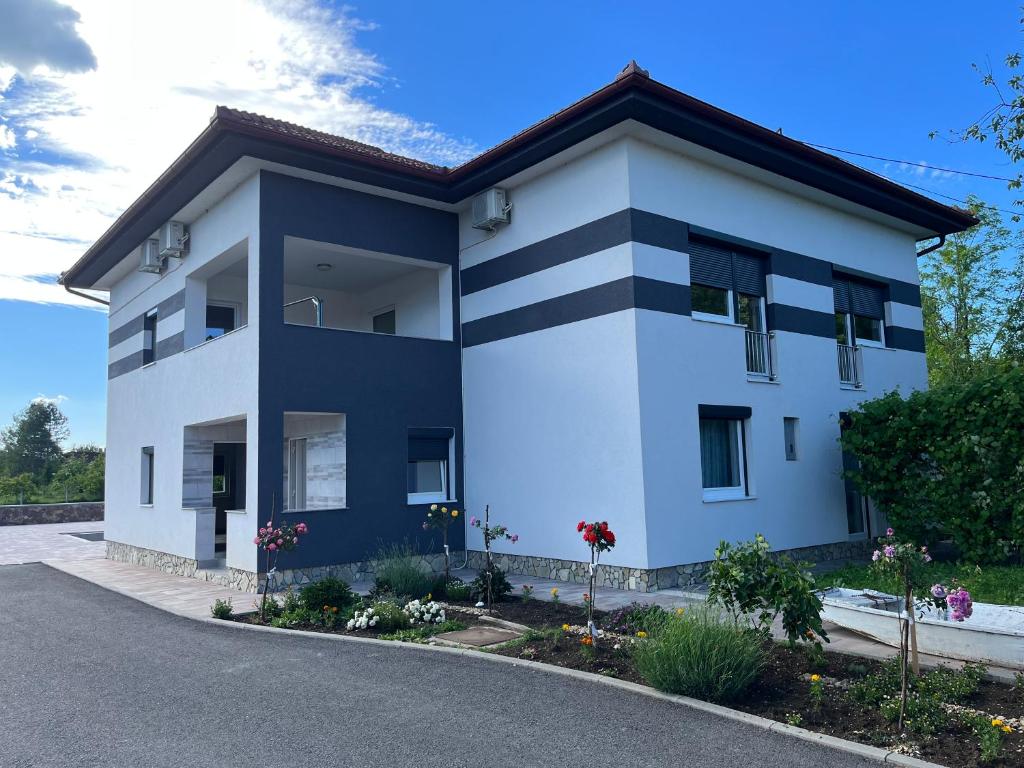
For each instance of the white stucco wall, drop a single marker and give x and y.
(151, 406)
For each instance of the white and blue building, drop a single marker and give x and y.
(642, 309)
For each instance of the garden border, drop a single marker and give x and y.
(833, 742)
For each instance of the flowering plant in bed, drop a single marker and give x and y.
(424, 611)
(491, 534)
(600, 539)
(440, 518)
(273, 540)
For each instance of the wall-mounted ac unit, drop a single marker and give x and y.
(150, 259)
(490, 209)
(173, 239)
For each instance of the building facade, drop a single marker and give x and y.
(662, 329)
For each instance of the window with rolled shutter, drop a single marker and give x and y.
(720, 267)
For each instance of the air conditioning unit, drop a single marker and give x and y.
(173, 239)
(490, 209)
(151, 260)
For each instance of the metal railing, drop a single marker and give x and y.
(760, 354)
(318, 308)
(849, 364)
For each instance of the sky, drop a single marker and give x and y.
(98, 97)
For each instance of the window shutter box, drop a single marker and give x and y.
(710, 265)
(749, 271)
(738, 412)
(429, 444)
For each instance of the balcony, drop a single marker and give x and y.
(850, 364)
(760, 352)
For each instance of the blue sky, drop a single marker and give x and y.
(440, 81)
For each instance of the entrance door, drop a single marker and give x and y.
(228, 487)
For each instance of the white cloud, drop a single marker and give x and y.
(7, 140)
(56, 399)
(94, 140)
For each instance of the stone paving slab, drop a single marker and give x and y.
(478, 637)
(33, 543)
(179, 594)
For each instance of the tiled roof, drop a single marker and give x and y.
(323, 138)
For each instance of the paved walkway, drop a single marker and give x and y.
(32, 543)
(91, 678)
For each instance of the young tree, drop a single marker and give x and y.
(31, 443)
(971, 292)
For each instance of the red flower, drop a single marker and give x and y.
(582, 523)
(604, 526)
(609, 537)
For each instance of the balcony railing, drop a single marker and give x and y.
(849, 364)
(761, 354)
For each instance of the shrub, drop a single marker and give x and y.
(500, 586)
(383, 616)
(222, 609)
(946, 462)
(699, 654)
(398, 572)
(748, 581)
(457, 589)
(635, 617)
(329, 591)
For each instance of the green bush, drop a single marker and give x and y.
(700, 654)
(748, 581)
(398, 572)
(222, 609)
(500, 586)
(635, 617)
(457, 590)
(424, 633)
(329, 591)
(946, 462)
(390, 616)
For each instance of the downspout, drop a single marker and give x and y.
(930, 248)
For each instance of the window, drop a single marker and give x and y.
(711, 303)
(149, 338)
(722, 460)
(751, 312)
(384, 322)
(297, 473)
(427, 472)
(146, 494)
(220, 319)
(790, 426)
(868, 330)
(860, 312)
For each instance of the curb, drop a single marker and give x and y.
(876, 754)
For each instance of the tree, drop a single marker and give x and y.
(971, 291)
(20, 487)
(32, 443)
(80, 474)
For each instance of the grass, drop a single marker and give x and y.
(424, 632)
(1001, 584)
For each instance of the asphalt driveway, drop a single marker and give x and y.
(91, 678)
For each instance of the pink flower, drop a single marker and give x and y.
(301, 528)
(262, 531)
(890, 551)
(889, 531)
(269, 523)
(514, 538)
(256, 540)
(272, 546)
(473, 520)
(280, 542)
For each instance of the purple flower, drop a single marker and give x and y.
(938, 591)
(473, 521)
(927, 558)
(890, 551)
(889, 531)
(514, 538)
(875, 555)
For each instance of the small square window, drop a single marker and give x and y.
(427, 470)
(146, 492)
(723, 474)
(384, 322)
(790, 427)
(713, 303)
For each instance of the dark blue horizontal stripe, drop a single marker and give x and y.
(904, 338)
(629, 225)
(616, 296)
(172, 345)
(169, 306)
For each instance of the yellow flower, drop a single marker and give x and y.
(815, 678)
(554, 590)
(1007, 729)
(565, 627)
(997, 723)
(455, 513)
(680, 611)
(429, 597)
(641, 633)
(444, 510)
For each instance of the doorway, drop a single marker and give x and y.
(228, 488)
